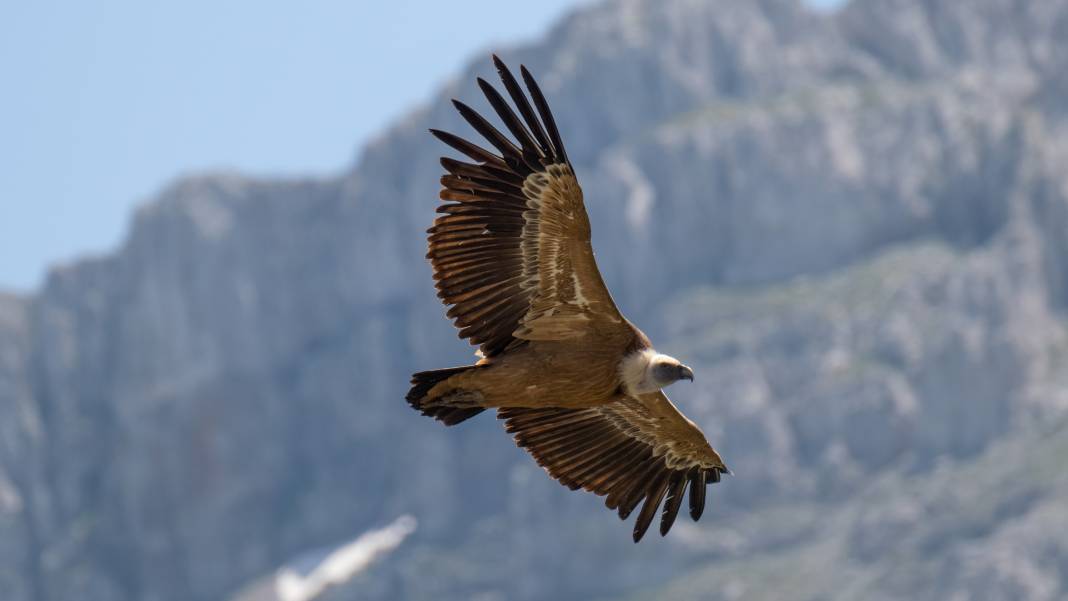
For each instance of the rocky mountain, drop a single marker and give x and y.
(853, 225)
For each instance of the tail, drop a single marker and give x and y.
(451, 408)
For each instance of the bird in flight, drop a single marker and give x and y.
(577, 384)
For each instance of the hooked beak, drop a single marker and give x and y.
(685, 373)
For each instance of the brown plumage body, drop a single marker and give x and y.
(548, 370)
(577, 383)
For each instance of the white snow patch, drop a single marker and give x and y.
(336, 566)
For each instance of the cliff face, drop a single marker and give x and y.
(851, 225)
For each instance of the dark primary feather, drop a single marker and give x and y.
(697, 494)
(523, 105)
(652, 502)
(529, 148)
(511, 154)
(676, 491)
(546, 114)
(475, 152)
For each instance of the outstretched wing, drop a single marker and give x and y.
(512, 254)
(631, 449)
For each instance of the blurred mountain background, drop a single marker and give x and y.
(853, 225)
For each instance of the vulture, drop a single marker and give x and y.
(577, 384)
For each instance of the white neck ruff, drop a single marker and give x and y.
(636, 371)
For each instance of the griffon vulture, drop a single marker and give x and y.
(579, 386)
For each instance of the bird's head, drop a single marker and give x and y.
(667, 370)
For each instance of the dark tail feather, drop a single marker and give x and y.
(437, 407)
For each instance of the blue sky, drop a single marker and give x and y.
(106, 101)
